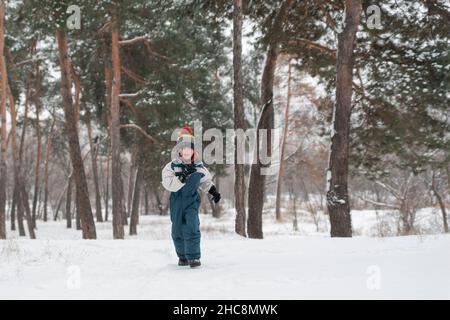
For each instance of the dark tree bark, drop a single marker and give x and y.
(37, 103)
(124, 207)
(266, 121)
(13, 209)
(116, 184)
(20, 209)
(146, 207)
(106, 192)
(441, 203)
(78, 224)
(131, 177)
(337, 193)
(3, 135)
(20, 214)
(134, 219)
(23, 194)
(283, 145)
(239, 119)
(69, 203)
(18, 178)
(82, 195)
(94, 152)
(47, 159)
(159, 202)
(108, 90)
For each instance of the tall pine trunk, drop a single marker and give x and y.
(22, 143)
(20, 181)
(108, 89)
(266, 121)
(48, 149)
(337, 193)
(116, 184)
(107, 175)
(441, 203)
(283, 145)
(3, 134)
(37, 103)
(82, 195)
(239, 120)
(131, 177)
(94, 153)
(134, 219)
(69, 203)
(13, 209)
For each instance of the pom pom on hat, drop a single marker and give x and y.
(186, 137)
(186, 130)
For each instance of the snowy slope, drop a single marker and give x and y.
(288, 267)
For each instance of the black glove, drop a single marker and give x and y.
(185, 173)
(216, 195)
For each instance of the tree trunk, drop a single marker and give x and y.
(13, 209)
(20, 181)
(22, 143)
(94, 152)
(59, 204)
(78, 224)
(134, 219)
(337, 191)
(131, 177)
(239, 120)
(68, 204)
(47, 158)
(3, 135)
(107, 187)
(82, 195)
(116, 184)
(37, 102)
(146, 208)
(441, 203)
(124, 207)
(283, 145)
(20, 214)
(266, 122)
(108, 90)
(29, 218)
(159, 202)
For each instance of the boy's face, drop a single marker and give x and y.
(186, 153)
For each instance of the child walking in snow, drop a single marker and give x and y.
(183, 176)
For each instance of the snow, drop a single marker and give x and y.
(233, 268)
(285, 265)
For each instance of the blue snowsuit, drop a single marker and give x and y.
(184, 207)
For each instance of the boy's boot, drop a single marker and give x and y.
(183, 262)
(194, 263)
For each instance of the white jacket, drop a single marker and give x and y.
(171, 182)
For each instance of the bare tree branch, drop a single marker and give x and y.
(133, 41)
(379, 203)
(135, 126)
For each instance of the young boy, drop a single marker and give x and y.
(183, 176)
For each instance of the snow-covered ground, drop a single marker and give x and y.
(287, 264)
